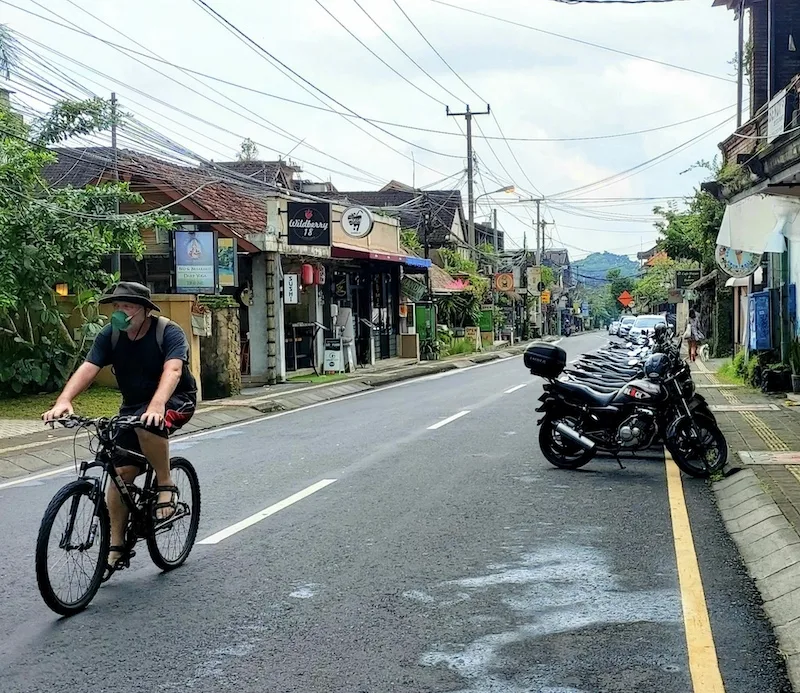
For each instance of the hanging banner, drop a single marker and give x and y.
(226, 261)
(195, 262)
(309, 223)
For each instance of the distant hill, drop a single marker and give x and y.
(593, 268)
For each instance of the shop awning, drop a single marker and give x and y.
(758, 277)
(342, 252)
(759, 223)
(420, 262)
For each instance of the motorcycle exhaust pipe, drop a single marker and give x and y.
(575, 437)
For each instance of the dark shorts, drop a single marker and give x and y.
(180, 408)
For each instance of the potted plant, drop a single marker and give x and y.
(794, 362)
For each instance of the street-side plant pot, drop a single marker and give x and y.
(796, 384)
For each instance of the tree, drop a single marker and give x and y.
(248, 151)
(653, 288)
(691, 234)
(55, 236)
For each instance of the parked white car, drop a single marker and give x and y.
(613, 328)
(644, 326)
(625, 325)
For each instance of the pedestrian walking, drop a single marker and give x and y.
(692, 334)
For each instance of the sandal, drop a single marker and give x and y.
(172, 504)
(122, 562)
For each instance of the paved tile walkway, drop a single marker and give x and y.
(763, 434)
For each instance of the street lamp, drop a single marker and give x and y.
(506, 189)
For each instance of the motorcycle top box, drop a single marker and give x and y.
(545, 360)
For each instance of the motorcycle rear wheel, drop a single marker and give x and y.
(704, 458)
(558, 451)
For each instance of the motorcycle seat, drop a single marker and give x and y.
(583, 393)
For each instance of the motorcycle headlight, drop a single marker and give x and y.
(688, 388)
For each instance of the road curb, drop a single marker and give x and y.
(770, 549)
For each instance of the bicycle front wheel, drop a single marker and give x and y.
(72, 548)
(170, 542)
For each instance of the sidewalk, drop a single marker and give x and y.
(29, 447)
(760, 504)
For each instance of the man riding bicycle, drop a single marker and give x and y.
(149, 357)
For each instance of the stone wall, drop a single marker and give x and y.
(220, 355)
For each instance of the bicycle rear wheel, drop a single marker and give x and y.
(170, 542)
(72, 548)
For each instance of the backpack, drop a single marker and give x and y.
(161, 327)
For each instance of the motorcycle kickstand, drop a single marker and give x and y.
(619, 462)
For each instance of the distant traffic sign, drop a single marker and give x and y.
(625, 299)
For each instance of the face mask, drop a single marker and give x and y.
(120, 321)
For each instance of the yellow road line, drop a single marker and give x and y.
(703, 663)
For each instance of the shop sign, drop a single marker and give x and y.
(195, 262)
(737, 263)
(473, 336)
(291, 289)
(534, 276)
(226, 261)
(309, 223)
(685, 278)
(504, 281)
(357, 222)
(545, 296)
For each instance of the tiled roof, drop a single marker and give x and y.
(78, 167)
(445, 204)
(558, 257)
(223, 197)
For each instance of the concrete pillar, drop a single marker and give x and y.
(276, 363)
(259, 359)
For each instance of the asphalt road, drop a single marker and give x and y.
(445, 559)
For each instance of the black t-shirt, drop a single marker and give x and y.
(138, 364)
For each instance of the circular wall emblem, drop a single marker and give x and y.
(357, 222)
(504, 281)
(737, 263)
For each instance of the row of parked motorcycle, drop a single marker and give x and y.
(624, 399)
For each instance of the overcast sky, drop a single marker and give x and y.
(538, 85)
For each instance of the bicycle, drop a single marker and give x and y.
(87, 529)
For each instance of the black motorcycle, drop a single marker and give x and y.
(580, 421)
(606, 372)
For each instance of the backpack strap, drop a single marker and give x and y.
(114, 338)
(161, 327)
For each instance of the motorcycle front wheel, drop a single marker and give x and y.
(702, 456)
(558, 450)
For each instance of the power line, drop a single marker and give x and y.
(585, 43)
(265, 54)
(325, 109)
(622, 175)
(376, 56)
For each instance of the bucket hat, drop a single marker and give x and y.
(131, 292)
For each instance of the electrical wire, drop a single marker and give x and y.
(269, 57)
(325, 109)
(582, 42)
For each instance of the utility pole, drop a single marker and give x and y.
(468, 114)
(740, 69)
(115, 259)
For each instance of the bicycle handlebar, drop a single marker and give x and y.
(74, 420)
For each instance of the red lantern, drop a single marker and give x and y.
(307, 275)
